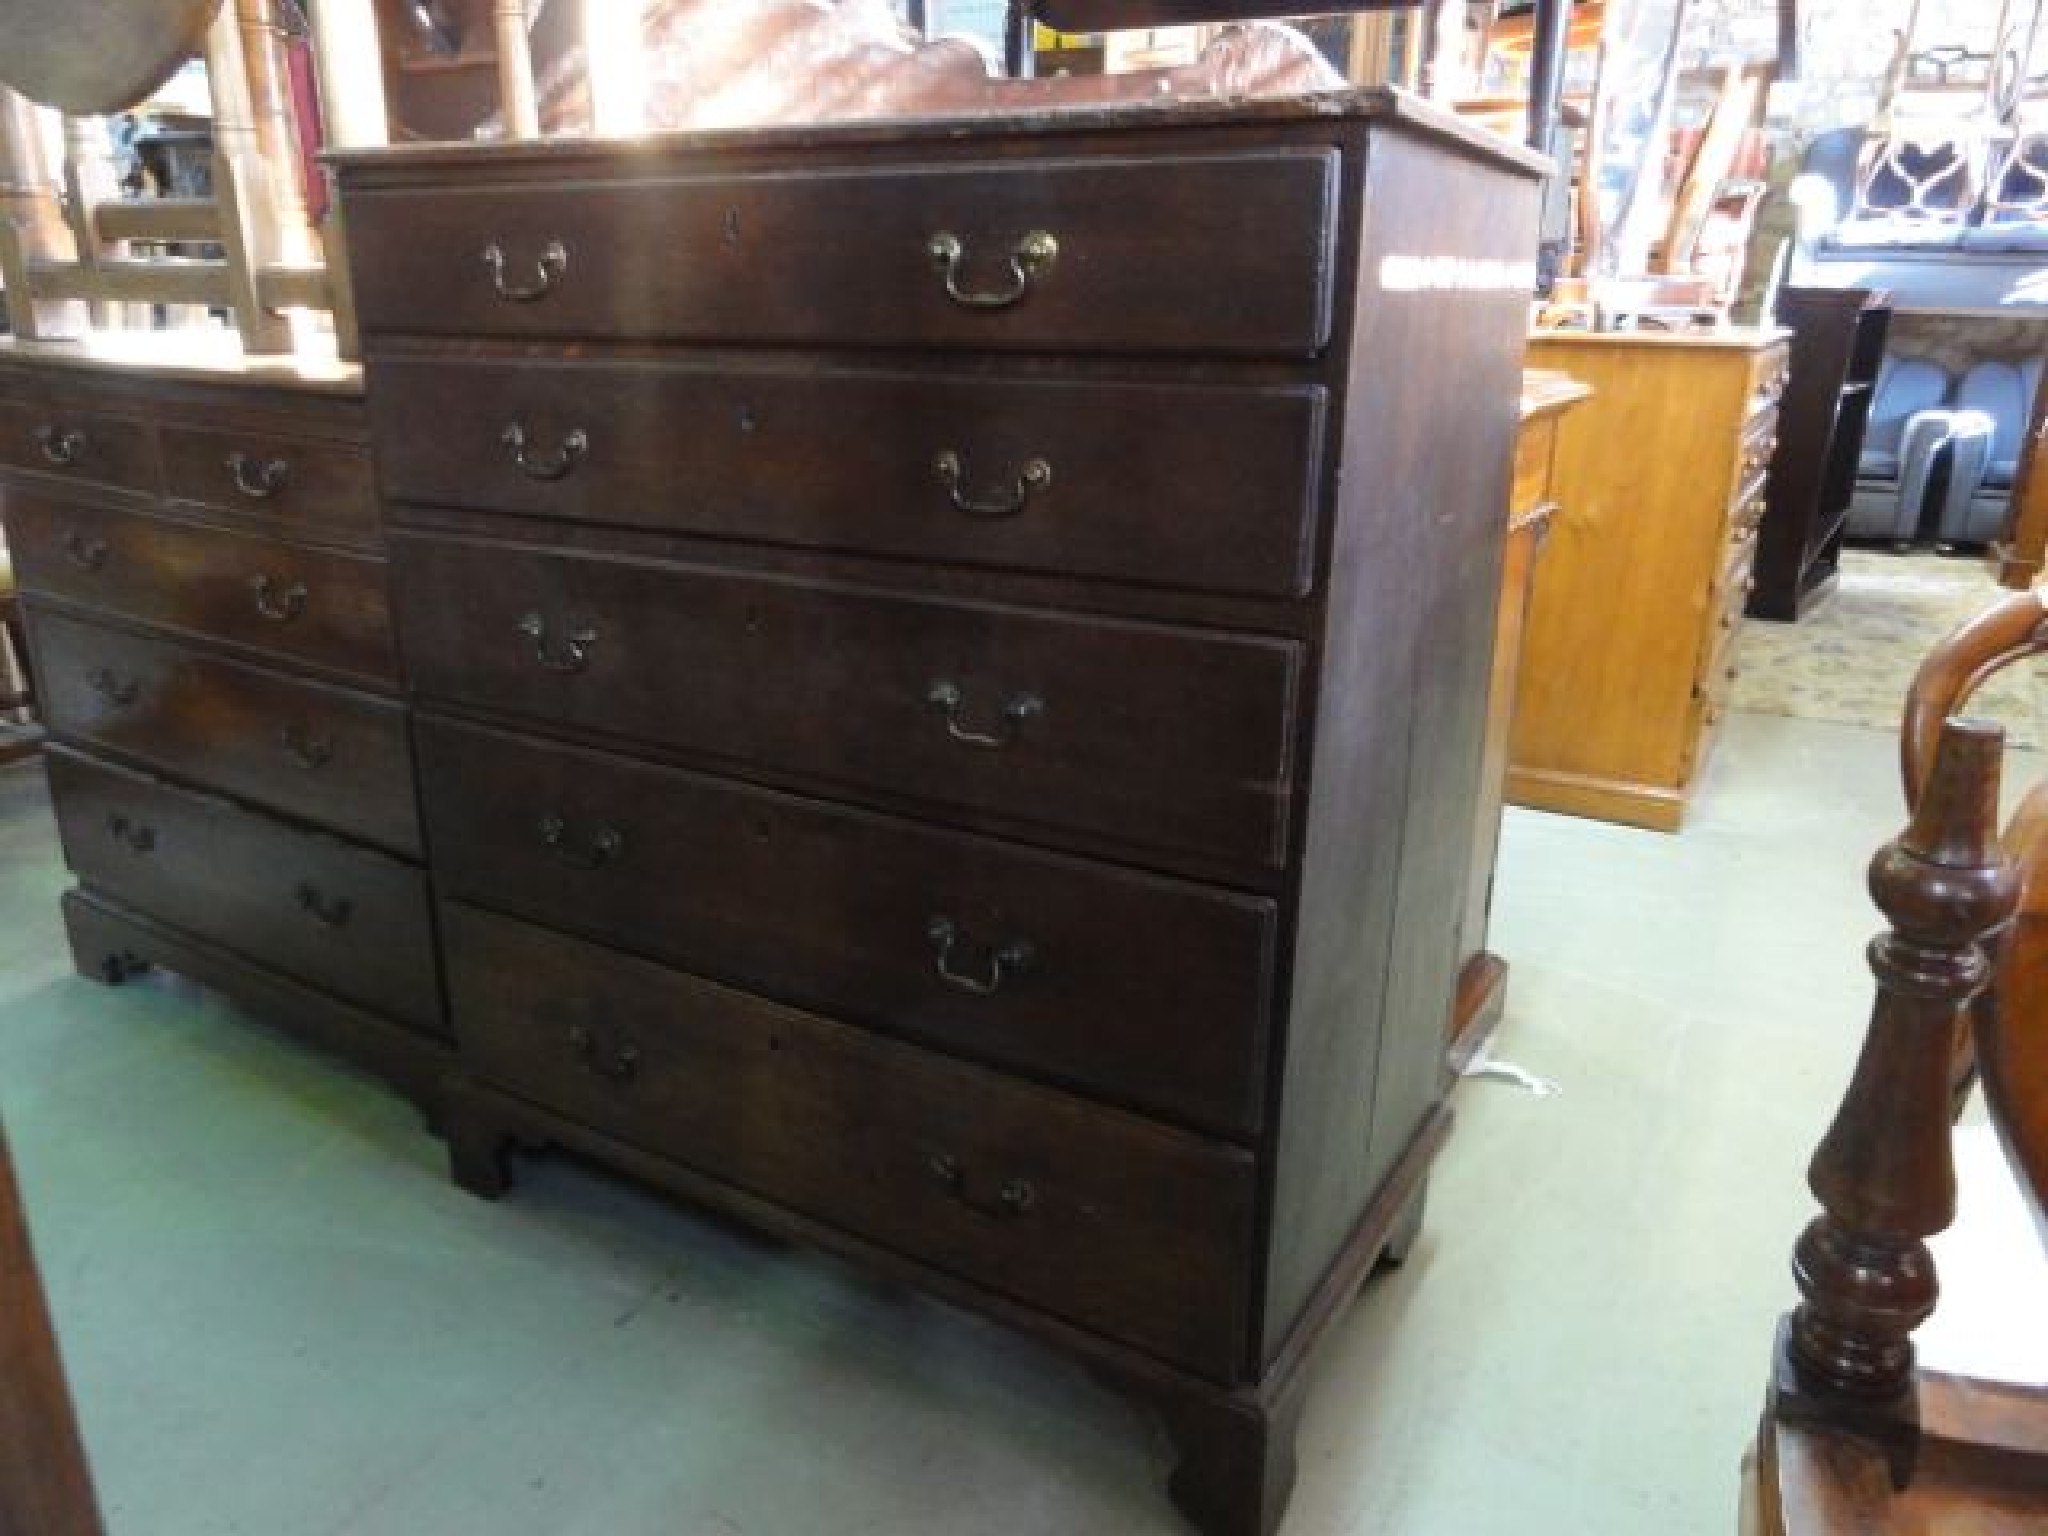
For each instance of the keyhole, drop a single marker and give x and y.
(753, 620)
(761, 829)
(732, 226)
(748, 421)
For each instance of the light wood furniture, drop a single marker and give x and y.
(1482, 981)
(1630, 650)
(200, 551)
(951, 667)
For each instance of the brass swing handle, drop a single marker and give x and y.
(574, 654)
(1005, 961)
(950, 470)
(111, 689)
(1034, 254)
(305, 748)
(948, 700)
(556, 465)
(554, 261)
(1013, 1199)
(84, 551)
(61, 446)
(605, 845)
(620, 1066)
(137, 836)
(328, 912)
(266, 480)
(279, 604)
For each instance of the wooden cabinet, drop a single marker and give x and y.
(1838, 337)
(1483, 978)
(204, 573)
(1660, 484)
(951, 668)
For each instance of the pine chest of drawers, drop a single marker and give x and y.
(202, 559)
(951, 665)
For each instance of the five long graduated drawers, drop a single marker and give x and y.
(951, 665)
(202, 555)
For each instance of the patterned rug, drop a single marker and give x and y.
(1850, 659)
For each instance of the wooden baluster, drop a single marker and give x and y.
(32, 226)
(276, 134)
(250, 236)
(1885, 1171)
(515, 70)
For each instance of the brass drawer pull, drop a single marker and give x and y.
(85, 552)
(575, 653)
(951, 471)
(279, 605)
(137, 837)
(111, 689)
(606, 845)
(554, 467)
(620, 1066)
(1013, 1199)
(328, 912)
(1005, 961)
(267, 480)
(1034, 254)
(309, 751)
(947, 698)
(554, 261)
(61, 446)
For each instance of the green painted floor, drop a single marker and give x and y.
(281, 1320)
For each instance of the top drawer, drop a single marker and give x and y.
(310, 487)
(83, 445)
(1226, 253)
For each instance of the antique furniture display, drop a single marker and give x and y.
(203, 567)
(1630, 653)
(1838, 339)
(1858, 1432)
(951, 674)
(1482, 981)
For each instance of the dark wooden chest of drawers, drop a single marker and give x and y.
(951, 666)
(202, 556)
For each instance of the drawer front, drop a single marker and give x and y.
(311, 488)
(85, 446)
(327, 755)
(1148, 991)
(1178, 485)
(1152, 735)
(343, 918)
(1115, 1223)
(1227, 253)
(316, 606)
(1759, 443)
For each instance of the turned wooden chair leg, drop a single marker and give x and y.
(17, 681)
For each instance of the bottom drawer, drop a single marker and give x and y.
(1116, 1223)
(352, 922)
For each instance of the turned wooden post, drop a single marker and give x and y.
(32, 225)
(515, 70)
(1885, 1171)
